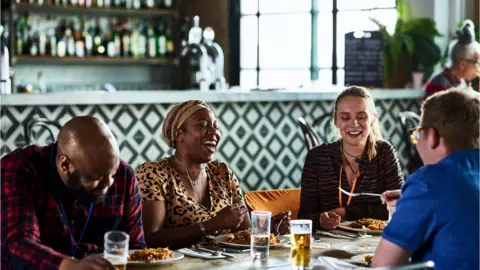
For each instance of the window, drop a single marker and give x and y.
(286, 43)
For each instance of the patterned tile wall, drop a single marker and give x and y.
(262, 141)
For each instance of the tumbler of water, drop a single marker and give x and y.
(260, 234)
(116, 248)
(301, 231)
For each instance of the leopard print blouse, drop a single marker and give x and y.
(160, 181)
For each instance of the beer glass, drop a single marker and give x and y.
(301, 231)
(260, 234)
(116, 248)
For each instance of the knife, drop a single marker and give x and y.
(221, 254)
(233, 250)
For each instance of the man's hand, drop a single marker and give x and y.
(92, 262)
(390, 198)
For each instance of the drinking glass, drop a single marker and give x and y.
(116, 248)
(301, 231)
(260, 234)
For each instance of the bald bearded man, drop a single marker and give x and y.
(58, 201)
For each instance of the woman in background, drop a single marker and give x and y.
(464, 62)
(359, 162)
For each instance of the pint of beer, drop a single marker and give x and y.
(301, 231)
(116, 249)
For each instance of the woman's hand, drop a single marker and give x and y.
(280, 223)
(231, 217)
(329, 220)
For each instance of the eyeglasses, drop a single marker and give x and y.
(415, 134)
(477, 62)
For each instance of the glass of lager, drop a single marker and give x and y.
(301, 231)
(116, 249)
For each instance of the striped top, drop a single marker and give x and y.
(320, 182)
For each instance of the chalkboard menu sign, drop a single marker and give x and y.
(364, 59)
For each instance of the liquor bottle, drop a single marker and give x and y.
(117, 42)
(70, 40)
(19, 39)
(98, 48)
(87, 35)
(42, 42)
(195, 33)
(52, 42)
(142, 40)
(79, 40)
(137, 4)
(169, 38)
(126, 52)
(161, 39)
(34, 44)
(152, 44)
(134, 41)
(168, 3)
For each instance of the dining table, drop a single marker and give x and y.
(323, 256)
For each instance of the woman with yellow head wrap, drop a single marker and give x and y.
(188, 196)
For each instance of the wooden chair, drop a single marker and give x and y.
(275, 201)
(41, 123)
(409, 120)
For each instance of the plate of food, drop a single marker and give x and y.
(359, 247)
(363, 258)
(149, 256)
(369, 225)
(241, 239)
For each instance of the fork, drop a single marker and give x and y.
(359, 194)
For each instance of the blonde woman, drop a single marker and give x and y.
(359, 162)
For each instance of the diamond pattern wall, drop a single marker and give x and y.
(262, 142)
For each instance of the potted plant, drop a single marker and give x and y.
(410, 49)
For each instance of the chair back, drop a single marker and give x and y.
(309, 134)
(274, 201)
(41, 123)
(324, 126)
(409, 120)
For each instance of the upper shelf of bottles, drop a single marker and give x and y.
(99, 11)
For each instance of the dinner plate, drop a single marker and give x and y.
(221, 239)
(346, 226)
(176, 256)
(361, 257)
(203, 255)
(357, 247)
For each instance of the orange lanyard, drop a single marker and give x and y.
(340, 186)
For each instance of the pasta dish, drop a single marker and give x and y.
(369, 224)
(243, 238)
(151, 254)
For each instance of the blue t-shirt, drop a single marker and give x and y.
(437, 215)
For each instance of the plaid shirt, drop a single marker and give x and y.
(34, 234)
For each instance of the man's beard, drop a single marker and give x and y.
(83, 197)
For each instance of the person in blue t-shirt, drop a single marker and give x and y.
(436, 217)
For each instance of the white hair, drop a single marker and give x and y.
(465, 46)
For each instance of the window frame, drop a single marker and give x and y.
(235, 38)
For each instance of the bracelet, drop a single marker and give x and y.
(203, 232)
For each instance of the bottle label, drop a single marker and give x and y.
(61, 48)
(42, 44)
(162, 45)
(53, 44)
(142, 45)
(151, 47)
(111, 49)
(79, 48)
(126, 46)
(71, 46)
(34, 50)
(170, 47)
(118, 45)
(168, 3)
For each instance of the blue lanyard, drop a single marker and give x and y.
(72, 240)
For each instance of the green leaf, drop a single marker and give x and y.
(403, 10)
